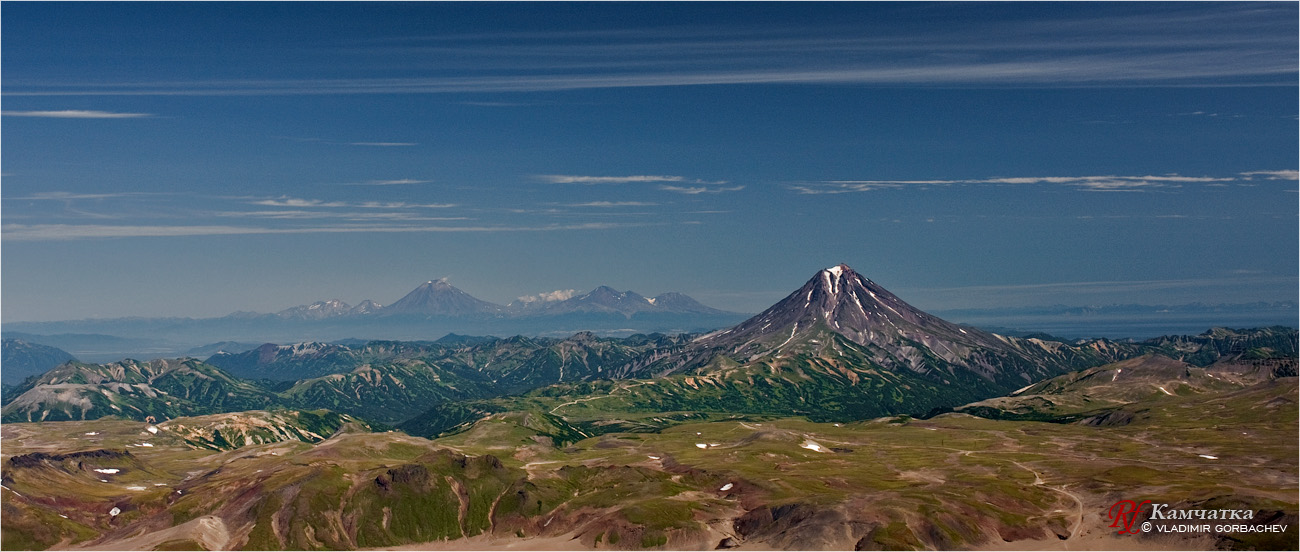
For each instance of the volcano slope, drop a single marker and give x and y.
(950, 482)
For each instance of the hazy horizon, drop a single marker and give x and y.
(195, 160)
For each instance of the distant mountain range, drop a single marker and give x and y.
(437, 298)
(431, 310)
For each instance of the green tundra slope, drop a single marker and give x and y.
(950, 482)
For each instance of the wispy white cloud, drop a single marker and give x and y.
(675, 184)
(69, 196)
(1064, 71)
(284, 201)
(1106, 183)
(397, 182)
(1272, 175)
(694, 190)
(348, 215)
(548, 297)
(1215, 44)
(384, 144)
(75, 114)
(591, 180)
(612, 204)
(63, 232)
(298, 202)
(401, 205)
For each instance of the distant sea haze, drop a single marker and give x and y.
(1127, 321)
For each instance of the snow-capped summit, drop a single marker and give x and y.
(605, 299)
(316, 311)
(838, 300)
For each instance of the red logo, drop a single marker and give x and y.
(1123, 513)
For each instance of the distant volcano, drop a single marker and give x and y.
(605, 299)
(438, 298)
(840, 300)
(840, 314)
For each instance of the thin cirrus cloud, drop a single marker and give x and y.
(348, 215)
(384, 144)
(65, 232)
(75, 114)
(612, 204)
(396, 182)
(593, 180)
(1251, 44)
(1272, 175)
(70, 196)
(695, 190)
(318, 203)
(1105, 183)
(675, 184)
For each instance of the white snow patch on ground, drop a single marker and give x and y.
(653, 457)
(702, 445)
(109, 471)
(93, 433)
(836, 270)
(812, 445)
(152, 429)
(1208, 456)
(135, 488)
(792, 330)
(726, 487)
(1117, 371)
(144, 444)
(1162, 388)
(115, 511)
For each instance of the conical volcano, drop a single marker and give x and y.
(437, 297)
(842, 321)
(843, 347)
(838, 300)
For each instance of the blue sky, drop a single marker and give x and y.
(198, 159)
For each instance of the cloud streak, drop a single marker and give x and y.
(70, 196)
(75, 114)
(1106, 183)
(1248, 44)
(696, 190)
(396, 182)
(593, 180)
(675, 184)
(65, 232)
(612, 204)
(285, 201)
